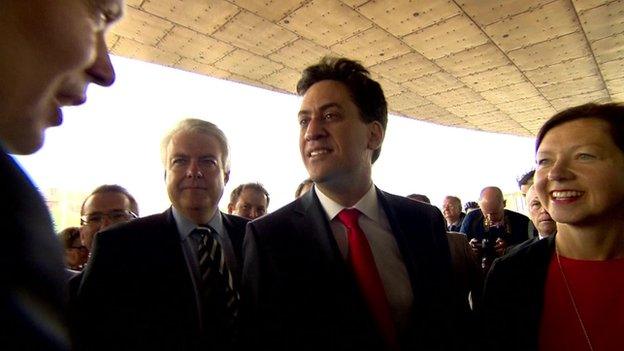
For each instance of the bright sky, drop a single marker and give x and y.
(115, 136)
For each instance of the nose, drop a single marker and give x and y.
(559, 170)
(102, 71)
(193, 170)
(314, 129)
(106, 222)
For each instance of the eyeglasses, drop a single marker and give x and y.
(114, 216)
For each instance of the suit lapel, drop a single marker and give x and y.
(312, 222)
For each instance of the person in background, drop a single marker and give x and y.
(526, 181)
(492, 228)
(541, 219)
(470, 206)
(106, 205)
(452, 211)
(303, 187)
(76, 254)
(566, 292)
(50, 51)
(250, 200)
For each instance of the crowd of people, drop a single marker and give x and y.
(345, 266)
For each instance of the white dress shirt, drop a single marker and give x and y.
(388, 259)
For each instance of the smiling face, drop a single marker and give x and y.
(195, 175)
(580, 173)
(336, 145)
(51, 51)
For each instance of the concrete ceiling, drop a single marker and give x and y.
(499, 66)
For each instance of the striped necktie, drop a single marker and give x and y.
(220, 300)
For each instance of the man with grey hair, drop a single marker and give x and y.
(170, 281)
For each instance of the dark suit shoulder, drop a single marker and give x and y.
(281, 218)
(235, 223)
(516, 216)
(528, 253)
(136, 229)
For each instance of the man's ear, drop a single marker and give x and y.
(375, 135)
(230, 208)
(504, 203)
(226, 177)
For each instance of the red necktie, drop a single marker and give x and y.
(363, 263)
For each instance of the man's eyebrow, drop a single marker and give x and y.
(322, 108)
(330, 105)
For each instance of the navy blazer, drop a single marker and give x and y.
(513, 296)
(518, 223)
(302, 295)
(32, 276)
(137, 290)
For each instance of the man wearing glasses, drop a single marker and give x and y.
(106, 205)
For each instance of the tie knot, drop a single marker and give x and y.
(202, 231)
(349, 217)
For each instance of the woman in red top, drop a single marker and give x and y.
(568, 291)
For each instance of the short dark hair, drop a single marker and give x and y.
(526, 178)
(419, 197)
(612, 113)
(301, 185)
(236, 193)
(113, 188)
(68, 236)
(366, 93)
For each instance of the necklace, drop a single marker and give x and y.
(578, 315)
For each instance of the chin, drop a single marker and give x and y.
(25, 147)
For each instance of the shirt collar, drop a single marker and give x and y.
(368, 204)
(185, 226)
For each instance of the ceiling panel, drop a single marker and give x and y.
(497, 66)
(406, 67)
(325, 21)
(402, 17)
(201, 48)
(371, 46)
(534, 26)
(254, 33)
(447, 37)
(203, 16)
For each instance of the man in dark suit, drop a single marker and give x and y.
(492, 229)
(347, 266)
(49, 53)
(155, 283)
